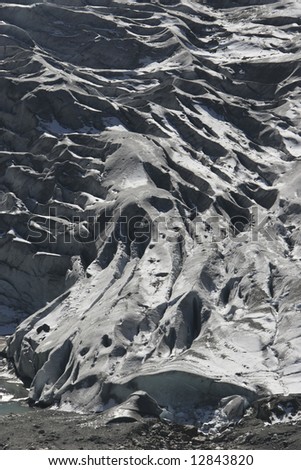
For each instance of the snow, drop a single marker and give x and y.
(114, 124)
(53, 127)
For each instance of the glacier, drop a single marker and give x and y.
(150, 200)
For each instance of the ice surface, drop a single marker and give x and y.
(150, 201)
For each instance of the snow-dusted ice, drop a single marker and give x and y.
(150, 202)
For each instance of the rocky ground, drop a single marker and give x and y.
(44, 429)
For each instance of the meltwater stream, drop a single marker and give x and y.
(13, 394)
